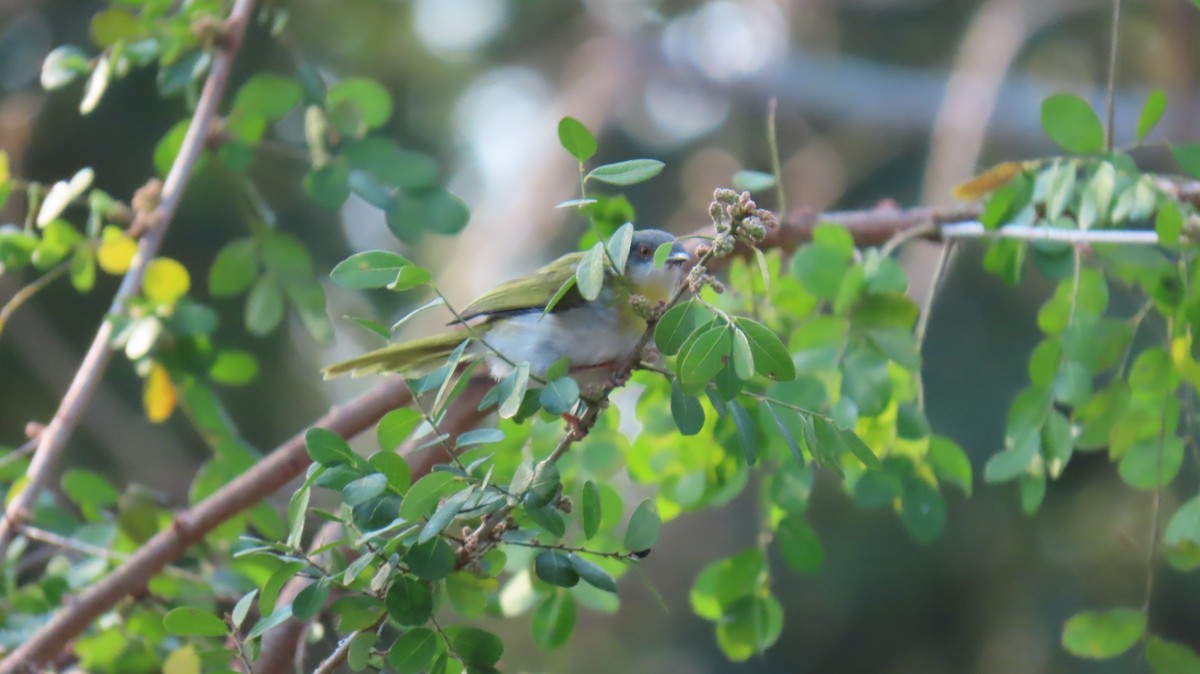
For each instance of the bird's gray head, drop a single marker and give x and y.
(654, 283)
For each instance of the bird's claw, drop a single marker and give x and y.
(575, 427)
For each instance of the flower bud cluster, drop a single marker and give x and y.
(699, 278)
(647, 310)
(736, 216)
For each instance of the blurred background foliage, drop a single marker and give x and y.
(878, 100)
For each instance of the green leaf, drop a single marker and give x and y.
(268, 96)
(753, 181)
(478, 649)
(517, 382)
(922, 510)
(677, 324)
(1072, 123)
(88, 488)
(576, 139)
(723, 583)
(559, 396)
(1152, 111)
(264, 307)
(413, 651)
(310, 601)
(950, 463)
(234, 268)
(1103, 635)
(97, 84)
(376, 513)
(432, 209)
(771, 357)
(187, 621)
(432, 560)
(445, 514)
(390, 164)
(479, 436)
(364, 489)
(747, 431)
(618, 246)
(62, 66)
(370, 102)
(370, 269)
(1168, 223)
(409, 601)
(705, 356)
(591, 510)
(395, 427)
(113, 25)
(589, 275)
(686, 410)
(628, 172)
(1168, 657)
(743, 358)
(356, 612)
(280, 615)
(751, 626)
(555, 568)
(327, 448)
(799, 544)
(1185, 524)
(362, 646)
(554, 621)
(329, 185)
(866, 381)
(234, 368)
(297, 508)
(424, 495)
(242, 608)
(1188, 158)
(592, 574)
(663, 252)
(644, 526)
(394, 467)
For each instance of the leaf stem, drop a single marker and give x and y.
(26, 293)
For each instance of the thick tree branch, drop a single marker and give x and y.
(154, 223)
(190, 526)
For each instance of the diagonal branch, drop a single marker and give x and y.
(190, 526)
(154, 223)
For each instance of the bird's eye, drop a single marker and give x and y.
(645, 251)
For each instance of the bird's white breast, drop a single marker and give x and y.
(587, 335)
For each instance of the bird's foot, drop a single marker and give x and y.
(575, 427)
(651, 355)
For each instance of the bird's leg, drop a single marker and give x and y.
(575, 427)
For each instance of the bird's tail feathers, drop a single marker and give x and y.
(405, 357)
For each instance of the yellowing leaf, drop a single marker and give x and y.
(3, 167)
(116, 251)
(182, 661)
(975, 188)
(166, 280)
(158, 397)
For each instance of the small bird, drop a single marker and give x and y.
(593, 335)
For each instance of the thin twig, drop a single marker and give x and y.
(26, 293)
(85, 548)
(1110, 103)
(773, 146)
(54, 439)
(939, 272)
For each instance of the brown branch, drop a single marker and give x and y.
(154, 222)
(190, 526)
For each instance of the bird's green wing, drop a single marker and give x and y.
(532, 292)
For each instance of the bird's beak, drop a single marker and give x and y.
(678, 257)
